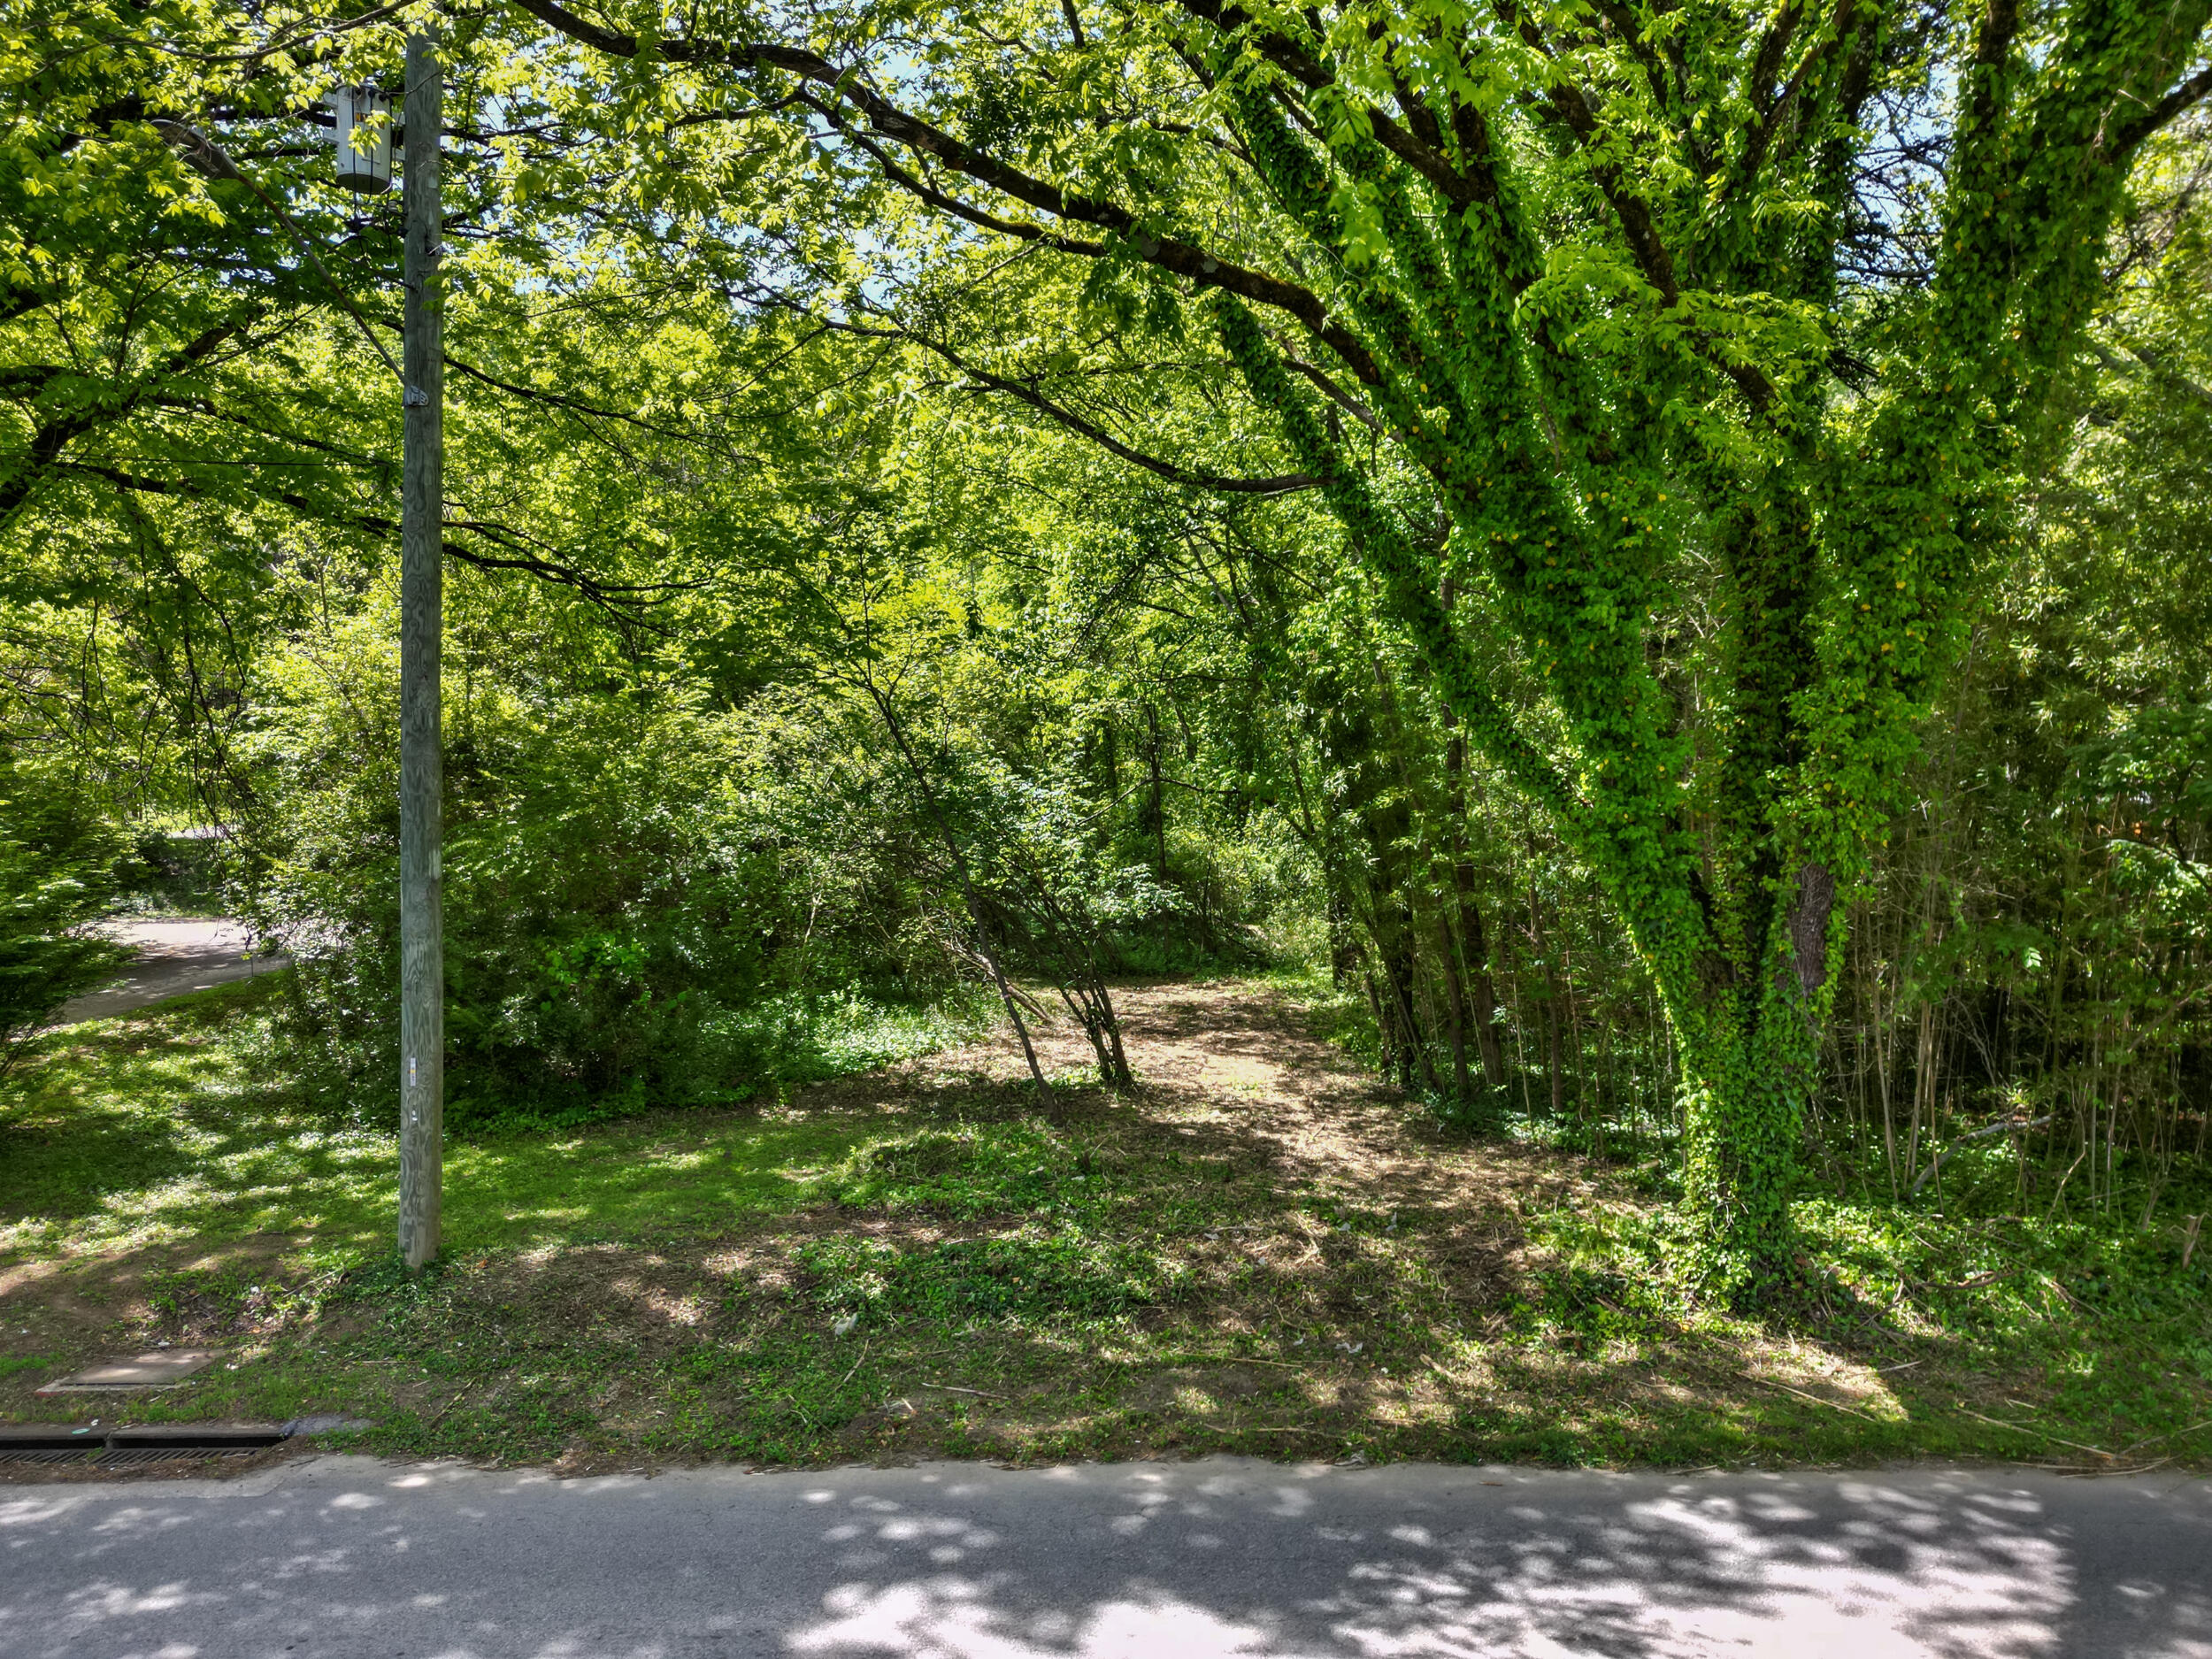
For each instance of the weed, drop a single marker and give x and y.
(1033, 1276)
(967, 1170)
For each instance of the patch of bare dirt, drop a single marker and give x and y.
(1235, 1070)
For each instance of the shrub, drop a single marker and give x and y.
(57, 874)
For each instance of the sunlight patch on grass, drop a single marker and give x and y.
(174, 1125)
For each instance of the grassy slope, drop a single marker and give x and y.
(1261, 1251)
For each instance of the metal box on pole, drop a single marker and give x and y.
(364, 138)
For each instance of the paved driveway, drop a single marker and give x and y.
(186, 954)
(349, 1556)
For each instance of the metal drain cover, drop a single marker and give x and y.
(120, 1458)
(53, 1454)
(148, 1443)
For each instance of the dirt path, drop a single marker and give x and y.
(175, 956)
(1236, 1064)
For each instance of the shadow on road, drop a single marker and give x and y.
(344, 1557)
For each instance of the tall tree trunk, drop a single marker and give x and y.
(1400, 975)
(1122, 1074)
(1553, 1070)
(1474, 946)
(1083, 985)
(1551, 997)
(1924, 1089)
(1748, 1058)
(1455, 1007)
(998, 975)
(1159, 794)
(1474, 949)
(1343, 943)
(1385, 1028)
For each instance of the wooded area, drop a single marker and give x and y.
(1657, 551)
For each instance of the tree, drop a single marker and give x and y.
(1715, 362)
(198, 329)
(56, 873)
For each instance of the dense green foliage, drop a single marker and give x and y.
(58, 867)
(1678, 572)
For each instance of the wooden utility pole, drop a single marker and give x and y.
(421, 630)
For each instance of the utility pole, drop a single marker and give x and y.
(421, 636)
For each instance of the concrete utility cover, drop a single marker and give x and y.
(160, 1369)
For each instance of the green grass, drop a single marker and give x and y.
(175, 1127)
(2004, 1336)
(918, 1265)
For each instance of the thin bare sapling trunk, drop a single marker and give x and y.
(1076, 942)
(953, 851)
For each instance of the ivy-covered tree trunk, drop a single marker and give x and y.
(1748, 1061)
(1846, 551)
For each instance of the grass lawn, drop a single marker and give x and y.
(1260, 1250)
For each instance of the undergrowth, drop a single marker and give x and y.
(935, 1269)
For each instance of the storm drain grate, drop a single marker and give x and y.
(126, 1448)
(127, 1457)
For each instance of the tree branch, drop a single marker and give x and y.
(618, 599)
(1184, 259)
(1421, 152)
(1282, 484)
(1640, 228)
(2159, 115)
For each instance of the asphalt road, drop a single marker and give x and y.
(176, 955)
(349, 1556)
